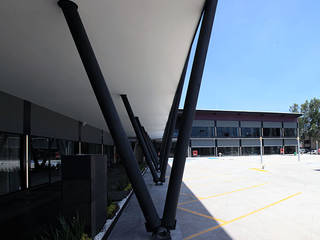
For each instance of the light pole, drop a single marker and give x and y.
(261, 159)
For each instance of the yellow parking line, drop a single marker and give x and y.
(241, 217)
(222, 194)
(257, 169)
(202, 215)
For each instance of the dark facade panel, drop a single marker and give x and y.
(47, 123)
(203, 123)
(290, 125)
(107, 139)
(250, 143)
(11, 119)
(91, 134)
(272, 142)
(272, 124)
(228, 143)
(227, 124)
(251, 124)
(290, 142)
(203, 143)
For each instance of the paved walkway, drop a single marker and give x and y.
(130, 225)
(233, 198)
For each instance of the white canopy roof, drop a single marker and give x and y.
(141, 47)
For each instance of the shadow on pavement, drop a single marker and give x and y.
(192, 219)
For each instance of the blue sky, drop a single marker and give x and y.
(263, 55)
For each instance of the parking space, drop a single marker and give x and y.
(233, 198)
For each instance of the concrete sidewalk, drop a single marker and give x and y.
(131, 224)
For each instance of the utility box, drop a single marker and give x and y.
(84, 190)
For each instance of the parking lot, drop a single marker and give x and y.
(233, 198)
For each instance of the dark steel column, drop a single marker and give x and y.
(171, 123)
(110, 113)
(170, 208)
(173, 115)
(153, 149)
(140, 138)
(146, 139)
(165, 133)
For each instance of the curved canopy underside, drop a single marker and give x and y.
(141, 47)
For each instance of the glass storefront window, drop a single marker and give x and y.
(202, 132)
(272, 150)
(290, 132)
(250, 132)
(108, 150)
(39, 166)
(9, 163)
(90, 148)
(60, 148)
(45, 164)
(250, 150)
(228, 151)
(227, 132)
(272, 132)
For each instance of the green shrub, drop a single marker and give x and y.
(128, 187)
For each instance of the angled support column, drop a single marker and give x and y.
(140, 137)
(153, 149)
(110, 114)
(173, 115)
(149, 146)
(171, 123)
(169, 214)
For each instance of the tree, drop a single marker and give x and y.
(309, 122)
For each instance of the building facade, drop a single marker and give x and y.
(33, 139)
(237, 133)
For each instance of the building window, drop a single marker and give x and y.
(90, 148)
(250, 132)
(272, 132)
(272, 150)
(9, 163)
(227, 132)
(228, 151)
(45, 164)
(290, 132)
(250, 150)
(202, 132)
(289, 149)
(108, 151)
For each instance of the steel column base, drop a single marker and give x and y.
(161, 234)
(169, 225)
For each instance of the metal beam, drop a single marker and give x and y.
(140, 137)
(153, 149)
(169, 214)
(148, 144)
(109, 112)
(173, 115)
(171, 123)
